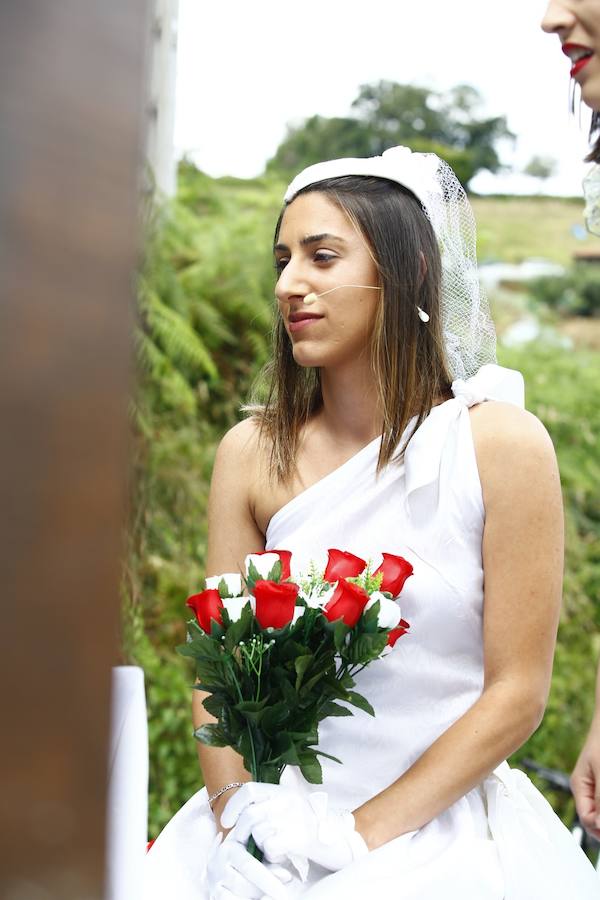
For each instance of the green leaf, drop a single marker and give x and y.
(208, 673)
(340, 630)
(366, 648)
(239, 630)
(333, 709)
(270, 773)
(211, 735)
(216, 630)
(327, 667)
(244, 748)
(253, 576)
(285, 749)
(275, 573)
(306, 736)
(202, 647)
(301, 664)
(291, 649)
(329, 756)
(213, 705)
(252, 709)
(310, 767)
(194, 628)
(275, 717)
(361, 702)
(369, 618)
(290, 696)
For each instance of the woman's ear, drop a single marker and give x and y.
(422, 267)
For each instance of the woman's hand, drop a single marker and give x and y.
(585, 783)
(233, 874)
(287, 824)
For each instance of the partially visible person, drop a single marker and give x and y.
(577, 25)
(585, 780)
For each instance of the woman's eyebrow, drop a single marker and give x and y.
(313, 239)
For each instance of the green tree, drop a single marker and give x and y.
(385, 114)
(320, 138)
(541, 167)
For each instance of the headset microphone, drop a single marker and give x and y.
(312, 297)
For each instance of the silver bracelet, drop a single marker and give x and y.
(226, 787)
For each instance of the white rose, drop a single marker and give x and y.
(389, 612)
(232, 579)
(234, 606)
(263, 563)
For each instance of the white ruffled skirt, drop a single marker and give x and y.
(501, 841)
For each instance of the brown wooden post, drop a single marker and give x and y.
(71, 114)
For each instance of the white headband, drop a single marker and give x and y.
(415, 171)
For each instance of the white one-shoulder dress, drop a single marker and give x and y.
(501, 841)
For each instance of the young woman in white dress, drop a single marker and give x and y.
(390, 428)
(577, 25)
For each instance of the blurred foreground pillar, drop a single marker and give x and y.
(71, 114)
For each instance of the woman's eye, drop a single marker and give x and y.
(323, 256)
(279, 265)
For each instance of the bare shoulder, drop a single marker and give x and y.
(232, 529)
(240, 443)
(238, 461)
(513, 448)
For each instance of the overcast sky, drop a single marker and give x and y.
(246, 69)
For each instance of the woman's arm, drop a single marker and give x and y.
(585, 780)
(523, 563)
(232, 534)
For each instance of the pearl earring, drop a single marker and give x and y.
(422, 314)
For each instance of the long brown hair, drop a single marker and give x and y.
(407, 356)
(594, 154)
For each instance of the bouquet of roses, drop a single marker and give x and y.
(278, 660)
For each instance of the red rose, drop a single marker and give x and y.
(395, 571)
(343, 565)
(397, 632)
(207, 605)
(347, 603)
(285, 557)
(275, 603)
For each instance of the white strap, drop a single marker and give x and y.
(424, 453)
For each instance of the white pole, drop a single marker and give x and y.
(127, 803)
(161, 100)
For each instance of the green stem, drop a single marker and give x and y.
(253, 850)
(258, 672)
(251, 847)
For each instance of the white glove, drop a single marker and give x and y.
(233, 873)
(287, 824)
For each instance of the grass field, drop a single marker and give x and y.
(512, 229)
(509, 229)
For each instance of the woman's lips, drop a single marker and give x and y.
(298, 321)
(579, 65)
(579, 56)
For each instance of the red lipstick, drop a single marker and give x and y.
(579, 56)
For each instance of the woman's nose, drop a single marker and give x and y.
(558, 17)
(291, 284)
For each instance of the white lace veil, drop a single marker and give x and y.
(469, 334)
